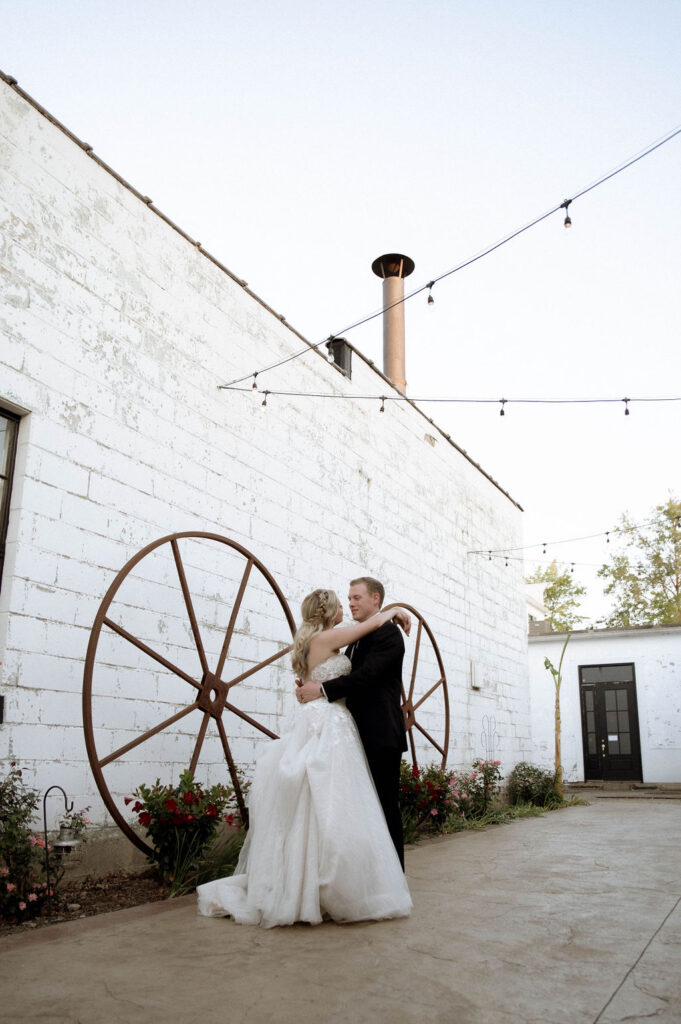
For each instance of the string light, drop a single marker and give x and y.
(431, 300)
(264, 401)
(382, 409)
(456, 401)
(626, 406)
(254, 386)
(504, 552)
(478, 256)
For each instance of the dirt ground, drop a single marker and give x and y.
(89, 896)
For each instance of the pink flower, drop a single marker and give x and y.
(11, 887)
(32, 897)
(434, 812)
(4, 872)
(22, 905)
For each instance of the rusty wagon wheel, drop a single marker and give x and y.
(209, 685)
(428, 683)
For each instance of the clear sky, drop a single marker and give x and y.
(299, 140)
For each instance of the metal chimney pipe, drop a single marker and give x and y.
(393, 268)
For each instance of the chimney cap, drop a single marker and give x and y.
(393, 264)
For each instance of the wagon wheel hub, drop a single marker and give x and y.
(213, 695)
(409, 716)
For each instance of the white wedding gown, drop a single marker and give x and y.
(318, 845)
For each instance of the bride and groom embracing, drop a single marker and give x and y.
(325, 836)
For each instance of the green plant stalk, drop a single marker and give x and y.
(557, 680)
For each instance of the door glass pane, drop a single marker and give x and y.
(622, 701)
(607, 673)
(625, 743)
(610, 700)
(613, 746)
(589, 700)
(591, 743)
(590, 722)
(611, 722)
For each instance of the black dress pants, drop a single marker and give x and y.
(384, 763)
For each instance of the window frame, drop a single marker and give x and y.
(7, 479)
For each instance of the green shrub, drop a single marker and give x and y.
(23, 890)
(181, 822)
(530, 784)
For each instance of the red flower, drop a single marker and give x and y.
(178, 819)
(170, 805)
(145, 818)
(189, 798)
(211, 811)
(128, 800)
(138, 807)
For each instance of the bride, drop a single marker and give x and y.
(318, 846)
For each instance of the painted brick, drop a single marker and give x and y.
(119, 332)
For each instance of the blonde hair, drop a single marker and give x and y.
(319, 610)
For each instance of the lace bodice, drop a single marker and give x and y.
(336, 665)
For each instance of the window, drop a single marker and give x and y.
(9, 428)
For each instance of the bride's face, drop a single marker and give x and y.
(339, 615)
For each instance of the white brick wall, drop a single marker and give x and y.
(114, 334)
(656, 655)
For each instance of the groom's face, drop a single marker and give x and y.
(362, 603)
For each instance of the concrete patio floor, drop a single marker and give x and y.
(571, 918)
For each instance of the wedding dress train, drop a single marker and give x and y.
(318, 845)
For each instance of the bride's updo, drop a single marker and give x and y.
(319, 610)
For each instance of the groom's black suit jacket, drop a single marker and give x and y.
(374, 688)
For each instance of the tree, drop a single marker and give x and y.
(645, 577)
(561, 596)
(557, 680)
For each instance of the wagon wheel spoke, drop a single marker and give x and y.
(190, 607)
(427, 695)
(261, 664)
(412, 745)
(233, 773)
(146, 735)
(232, 618)
(429, 738)
(416, 660)
(199, 743)
(251, 721)
(152, 654)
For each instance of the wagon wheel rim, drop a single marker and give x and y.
(409, 705)
(211, 691)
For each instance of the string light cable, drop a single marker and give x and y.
(617, 531)
(428, 286)
(455, 400)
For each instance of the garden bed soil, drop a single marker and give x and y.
(89, 896)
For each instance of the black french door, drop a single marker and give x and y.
(612, 745)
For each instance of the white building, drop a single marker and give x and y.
(620, 703)
(115, 331)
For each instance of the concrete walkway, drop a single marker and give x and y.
(572, 918)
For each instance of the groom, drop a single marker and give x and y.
(373, 690)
